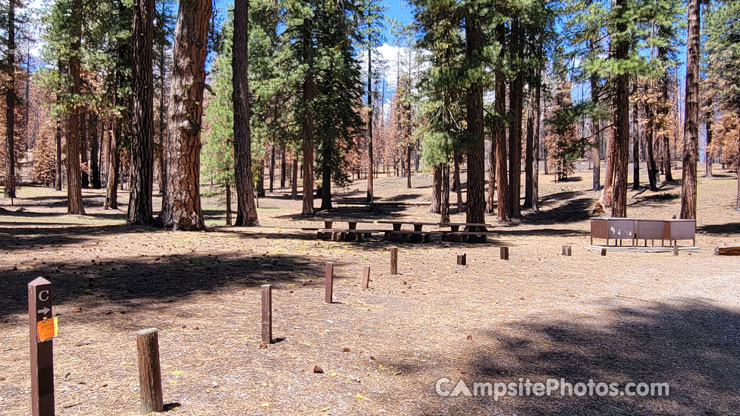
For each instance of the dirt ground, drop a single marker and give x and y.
(626, 317)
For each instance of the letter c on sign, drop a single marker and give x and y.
(44, 295)
(438, 387)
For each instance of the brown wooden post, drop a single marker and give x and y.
(366, 277)
(329, 283)
(42, 354)
(394, 260)
(266, 314)
(603, 252)
(675, 249)
(461, 259)
(150, 377)
(504, 251)
(566, 250)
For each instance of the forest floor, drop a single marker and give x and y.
(626, 317)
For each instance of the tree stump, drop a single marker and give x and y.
(566, 250)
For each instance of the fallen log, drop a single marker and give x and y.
(728, 250)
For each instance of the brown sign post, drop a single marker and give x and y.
(42, 353)
(266, 314)
(329, 282)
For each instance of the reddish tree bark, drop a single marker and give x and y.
(74, 177)
(691, 124)
(181, 207)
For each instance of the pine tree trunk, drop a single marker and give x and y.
(162, 112)
(502, 185)
(528, 156)
(622, 123)
(444, 208)
(609, 179)
(370, 160)
(649, 144)
(181, 209)
(456, 181)
(74, 179)
(326, 176)
(408, 166)
(10, 103)
(58, 171)
(691, 123)
(737, 199)
(272, 168)
(227, 185)
(636, 147)
(142, 135)
(246, 214)
(476, 200)
(536, 143)
(111, 194)
(283, 168)
(307, 130)
(595, 124)
(83, 147)
(515, 128)
(491, 199)
(436, 190)
(94, 151)
(294, 176)
(261, 175)
(708, 153)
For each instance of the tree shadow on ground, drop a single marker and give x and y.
(727, 228)
(654, 199)
(554, 211)
(28, 237)
(137, 283)
(692, 345)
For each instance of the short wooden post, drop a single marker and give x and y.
(394, 260)
(42, 353)
(461, 259)
(266, 314)
(566, 250)
(504, 251)
(675, 250)
(603, 252)
(366, 277)
(150, 377)
(329, 282)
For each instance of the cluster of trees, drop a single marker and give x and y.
(128, 92)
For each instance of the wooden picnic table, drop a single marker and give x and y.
(455, 226)
(418, 225)
(351, 222)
